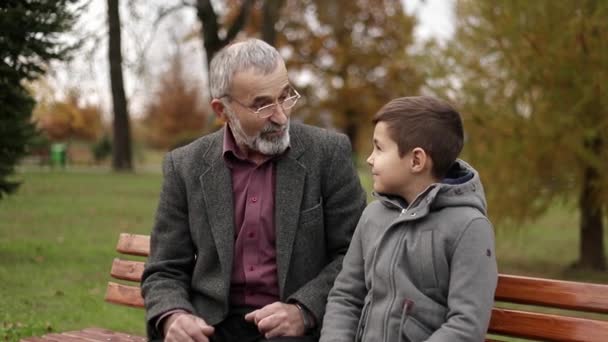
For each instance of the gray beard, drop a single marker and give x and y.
(259, 143)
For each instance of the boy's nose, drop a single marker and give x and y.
(370, 160)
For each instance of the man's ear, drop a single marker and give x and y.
(220, 109)
(420, 160)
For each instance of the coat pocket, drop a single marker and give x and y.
(312, 215)
(362, 320)
(411, 329)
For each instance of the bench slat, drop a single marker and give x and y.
(553, 293)
(127, 269)
(97, 334)
(124, 295)
(133, 244)
(547, 327)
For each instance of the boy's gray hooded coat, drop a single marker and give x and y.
(425, 273)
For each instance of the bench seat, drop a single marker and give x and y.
(522, 304)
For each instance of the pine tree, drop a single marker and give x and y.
(29, 39)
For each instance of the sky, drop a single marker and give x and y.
(89, 70)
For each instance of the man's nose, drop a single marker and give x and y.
(279, 116)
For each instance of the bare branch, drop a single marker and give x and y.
(240, 21)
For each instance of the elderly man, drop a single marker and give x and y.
(253, 220)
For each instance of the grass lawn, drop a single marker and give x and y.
(57, 238)
(58, 233)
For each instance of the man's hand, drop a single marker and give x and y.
(184, 327)
(278, 319)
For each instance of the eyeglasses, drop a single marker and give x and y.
(266, 111)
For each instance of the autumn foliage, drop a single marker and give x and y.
(175, 114)
(71, 118)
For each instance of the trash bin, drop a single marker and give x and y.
(58, 154)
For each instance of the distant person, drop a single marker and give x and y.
(421, 265)
(253, 220)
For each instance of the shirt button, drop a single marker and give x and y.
(251, 235)
(251, 268)
(254, 199)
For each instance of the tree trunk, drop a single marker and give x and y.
(270, 10)
(591, 226)
(210, 31)
(121, 150)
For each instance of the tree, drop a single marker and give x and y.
(29, 39)
(531, 77)
(212, 30)
(68, 119)
(122, 156)
(356, 53)
(175, 114)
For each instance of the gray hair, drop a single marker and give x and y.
(237, 57)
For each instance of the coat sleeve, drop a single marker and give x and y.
(167, 275)
(346, 298)
(473, 278)
(343, 201)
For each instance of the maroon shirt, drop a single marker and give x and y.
(254, 279)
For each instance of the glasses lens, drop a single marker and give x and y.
(289, 102)
(267, 111)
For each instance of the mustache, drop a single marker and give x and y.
(273, 128)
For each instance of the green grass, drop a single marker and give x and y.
(58, 233)
(57, 239)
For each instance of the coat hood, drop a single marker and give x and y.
(460, 188)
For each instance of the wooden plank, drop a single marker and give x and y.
(98, 334)
(133, 338)
(57, 337)
(133, 244)
(547, 327)
(553, 293)
(124, 295)
(127, 269)
(89, 335)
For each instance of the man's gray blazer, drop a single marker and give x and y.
(318, 201)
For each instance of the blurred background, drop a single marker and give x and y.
(94, 93)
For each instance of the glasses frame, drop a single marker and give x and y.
(276, 102)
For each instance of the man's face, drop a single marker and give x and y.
(251, 90)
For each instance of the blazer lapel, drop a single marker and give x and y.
(288, 198)
(217, 194)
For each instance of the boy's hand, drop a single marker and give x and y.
(278, 319)
(182, 326)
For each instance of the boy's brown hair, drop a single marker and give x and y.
(428, 123)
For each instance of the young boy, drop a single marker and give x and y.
(421, 264)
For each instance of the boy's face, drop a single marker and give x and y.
(391, 173)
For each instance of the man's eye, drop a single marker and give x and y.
(260, 105)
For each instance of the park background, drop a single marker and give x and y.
(529, 78)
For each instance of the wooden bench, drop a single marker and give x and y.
(531, 322)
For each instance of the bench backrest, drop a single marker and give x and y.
(529, 322)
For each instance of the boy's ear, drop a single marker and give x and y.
(420, 160)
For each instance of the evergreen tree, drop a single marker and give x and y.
(29, 39)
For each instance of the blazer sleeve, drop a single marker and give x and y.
(473, 279)
(346, 298)
(343, 202)
(167, 275)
